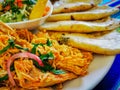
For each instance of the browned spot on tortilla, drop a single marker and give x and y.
(72, 18)
(92, 5)
(65, 8)
(63, 33)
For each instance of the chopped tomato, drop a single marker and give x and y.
(47, 9)
(19, 3)
(7, 8)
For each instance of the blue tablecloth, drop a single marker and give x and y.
(112, 79)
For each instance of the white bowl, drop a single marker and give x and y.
(31, 24)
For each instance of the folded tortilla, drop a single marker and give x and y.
(92, 14)
(88, 1)
(72, 7)
(82, 26)
(107, 43)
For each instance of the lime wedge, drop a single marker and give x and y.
(38, 9)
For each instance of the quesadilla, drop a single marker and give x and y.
(107, 43)
(82, 26)
(92, 14)
(72, 7)
(88, 1)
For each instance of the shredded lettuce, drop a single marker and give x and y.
(16, 14)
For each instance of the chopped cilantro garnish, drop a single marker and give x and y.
(19, 47)
(35, 46)
(48, 67)
(50, 55)
(58, 71)
(4, 78)
(29, 2)
(49, 43)
(47, 56)
(118, 29)
(5, 49)
(12, 44)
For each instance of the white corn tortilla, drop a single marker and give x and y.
(107, 43)
(82, 26)
(72, 7)
(92, 14)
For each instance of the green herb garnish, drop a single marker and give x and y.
(29, 2)
(49, 43)
(47, 56)
(4, 78)
(19, 47)
(48, 67)
(12, 44)
(35, 46)
(58, 71)
(118, 29)
(5, 49)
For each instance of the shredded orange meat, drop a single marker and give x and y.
(73, 61)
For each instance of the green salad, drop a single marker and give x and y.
(16, 10)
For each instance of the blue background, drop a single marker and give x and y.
(112, 79)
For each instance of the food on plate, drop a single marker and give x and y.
(44, 59)
(107, 42)
(33, 61)
(72, 7)
(17, 10)
(82, 26)
(15, 88)
(95, 13)
(38, 9)
(101, 35)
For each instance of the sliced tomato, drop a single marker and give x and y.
(19, 3)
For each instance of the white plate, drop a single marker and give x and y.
(97, 70)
